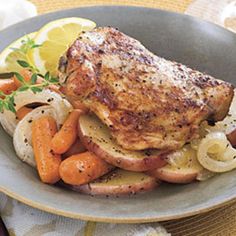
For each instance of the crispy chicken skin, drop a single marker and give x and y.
(147, 101)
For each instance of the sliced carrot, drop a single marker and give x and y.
(7, 86)
(67, 135)
(22, 112)
(26, 75)
(83, 168)
(43, 129)
(76, 148)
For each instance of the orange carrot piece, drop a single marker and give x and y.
(43, 129)
(22, 112)
(83, 168)
(67, 135)
(76, 148)
(7, 86)
(26, 75)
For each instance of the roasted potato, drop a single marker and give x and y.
(97, 139)
(232, 138)
(182, 167)
(119, 182)
(175, 175)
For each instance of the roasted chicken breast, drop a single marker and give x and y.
(145, 100)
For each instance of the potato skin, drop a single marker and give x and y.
(232, 138)
(117, 190)
(131, 164)
(171, 176)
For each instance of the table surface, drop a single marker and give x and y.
(221, 221)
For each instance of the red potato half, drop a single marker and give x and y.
(96, 138)
(119, 182)
(174, 175)
(183, 167)
(232, 137)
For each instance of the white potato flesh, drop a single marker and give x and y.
(184, 159)
(182, 167)
(97, 138)
(22, 138)
(61, 106)
(119, 182)
(216, 154)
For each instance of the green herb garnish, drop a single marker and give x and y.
(7, 100)
(26, 45)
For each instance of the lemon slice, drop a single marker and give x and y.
(54, 38)
(8, 56)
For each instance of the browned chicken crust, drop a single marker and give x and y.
(147, 101)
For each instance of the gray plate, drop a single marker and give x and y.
(201, 45)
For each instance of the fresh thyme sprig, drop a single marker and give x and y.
(7, 101)
(25, 64)
(26, 45)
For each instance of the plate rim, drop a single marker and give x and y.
(119, 6)
(79, 216)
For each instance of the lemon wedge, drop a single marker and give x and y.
(54, 38)
(9, 56)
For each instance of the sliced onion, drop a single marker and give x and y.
(195, 143)
(184, 158)
(61, 106)
(205, 175)
(216, 154)
(178, 158)
(22, 138)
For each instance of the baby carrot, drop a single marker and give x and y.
(26, 75)
(22, 112)
(83, 168)
(47, 162)
(67, 135)
(76, 148)
(7, 86)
